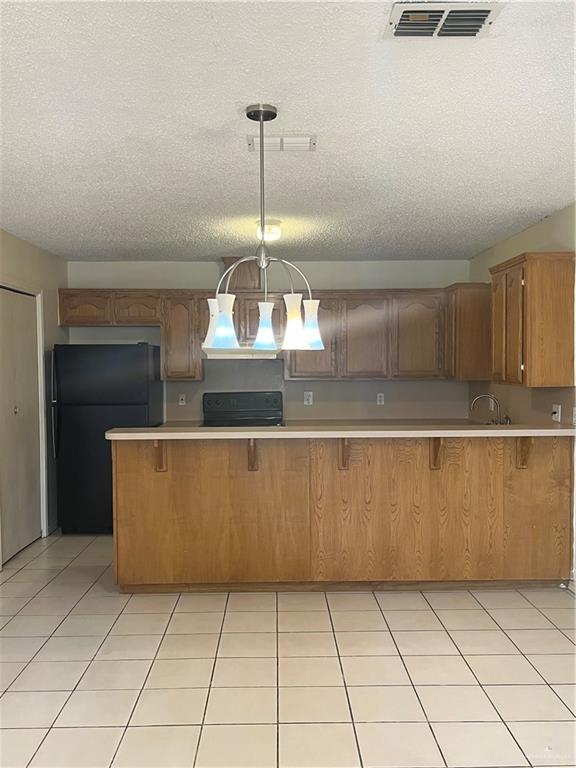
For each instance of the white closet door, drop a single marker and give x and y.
(20, 520)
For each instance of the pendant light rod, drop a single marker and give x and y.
(262, 212)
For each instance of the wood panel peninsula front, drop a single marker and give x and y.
(309, 504)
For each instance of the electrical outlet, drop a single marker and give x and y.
(380, 398)
(556, 412)
(308, 398)
(181, 398)
(574, 415)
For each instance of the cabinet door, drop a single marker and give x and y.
(450, 335)
(416, 338)
(365, 339)
(181, 353)
(514, 325)
(499, 326)
(319, 364)
(137, 308)
(85, 307)
(250, 317)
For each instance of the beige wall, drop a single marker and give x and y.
(28, 268)
(534, 406)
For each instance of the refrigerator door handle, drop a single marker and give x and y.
(54, 436)
(53, 377)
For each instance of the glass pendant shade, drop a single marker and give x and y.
(265, 336)
(213, 310)
(311, 327)
(225, 333)
(294, 336)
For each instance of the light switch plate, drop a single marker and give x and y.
(556, 412)
(308, 398)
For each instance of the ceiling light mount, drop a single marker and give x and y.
(264, 112)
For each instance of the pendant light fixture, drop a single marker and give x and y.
(221, 340)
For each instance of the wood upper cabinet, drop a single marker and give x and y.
(180, 341)
(322, 364)
(416, 340)
(533, 320)
(85, 307)
(137, 308)
(467, 332)
(364, 338)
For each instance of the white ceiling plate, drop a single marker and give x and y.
(124, 133)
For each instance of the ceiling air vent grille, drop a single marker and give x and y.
(441, 19)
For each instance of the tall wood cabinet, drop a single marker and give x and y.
(533, 320)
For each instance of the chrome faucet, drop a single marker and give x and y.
(499, 419)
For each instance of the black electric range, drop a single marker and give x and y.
(242, 409)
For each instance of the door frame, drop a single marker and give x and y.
(37, 293)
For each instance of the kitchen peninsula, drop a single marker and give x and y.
(323, 503)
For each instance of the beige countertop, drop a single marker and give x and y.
(390, 428)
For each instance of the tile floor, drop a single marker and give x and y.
(92, 678)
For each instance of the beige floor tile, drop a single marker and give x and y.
(358, 621)
(48, 606)
(227, 706)
(456, 703)
(500, 598)
(237, 746)
(129, 647)
(202, 603)
(398, 745)
(188, 647)
(65, 590)
(547, 743)
(309, 671)
(302, 601)
(9, 671)
(180, 673)
(176, 706)
(472, 642)
(19, 589)
(439, 670)
(141, 624)
(527, 702)
(158, 747)
(86, 709)
(466, 619)
(477, 745)
(248, 644)
(425, 643)
(244, 673)
(541, 641)
(402, 601)
(251, 601)
(451, 600)
(385, 704)
(151, 604)
(304, 621)
(250, 621)
(314, 705)
(352, 601)
(77, 626)
(563, 618)
(400, 620)
(77, 748)
(30, 626)
(108, 605)
(31, 709)
(318, 745)
(503, 670)
(20, 648)
(549, 598)
(366, 644)
(18, 745)
(555, 668)
(50, 676)
(306, 644)
(39, 576)
(568, 695)
(9, 606)
(520, 618)
(69, 649)
(195, 623)
(374, 670)
(114, 675)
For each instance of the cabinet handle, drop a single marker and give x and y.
(160, 456)
(343, 453)
(436, 453)
(523, 449)
(252, 455)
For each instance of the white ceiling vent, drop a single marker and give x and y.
(441, 19)
(289, 142)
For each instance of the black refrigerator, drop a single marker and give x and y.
(96, 387)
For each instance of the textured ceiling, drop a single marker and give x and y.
(123, 135)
